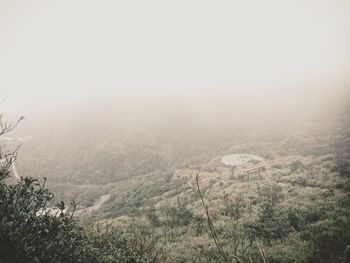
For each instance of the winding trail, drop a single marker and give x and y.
(97, 205)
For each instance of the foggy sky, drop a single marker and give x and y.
(57, 53)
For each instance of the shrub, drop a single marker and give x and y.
(31, 233)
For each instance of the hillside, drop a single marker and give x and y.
(295, 210)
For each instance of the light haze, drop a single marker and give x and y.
(59, 53)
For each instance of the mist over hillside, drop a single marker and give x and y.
(174, 131)
(112, 141)
(140, 163)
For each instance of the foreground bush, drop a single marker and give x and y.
(31, 233)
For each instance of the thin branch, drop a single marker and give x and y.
(262, 254)
(211, 226)
(7, 127)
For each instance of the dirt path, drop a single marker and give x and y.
(97, 205)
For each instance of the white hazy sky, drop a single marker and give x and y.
(59, 52)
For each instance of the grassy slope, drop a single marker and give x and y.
(309, 186)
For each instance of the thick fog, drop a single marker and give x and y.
(257, 55)
(91, 76)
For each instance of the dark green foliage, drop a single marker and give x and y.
(198, 225)
(181, 216)
(343, 165)
(234, 208)
(294, 218)
(329, 238)
(29, 233)
(153, 217)
(272, 223)
(132, 244)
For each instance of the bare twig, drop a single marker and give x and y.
(6, 127)
(216, 238)
(8, 159)
(262, 254)
(74, 205)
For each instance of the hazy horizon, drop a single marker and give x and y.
(63, 54)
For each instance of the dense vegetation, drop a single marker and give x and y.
(31, 233)
(281, 214)
(296, 210)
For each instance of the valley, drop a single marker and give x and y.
(270, 190)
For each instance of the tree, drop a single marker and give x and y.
(29, 232)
